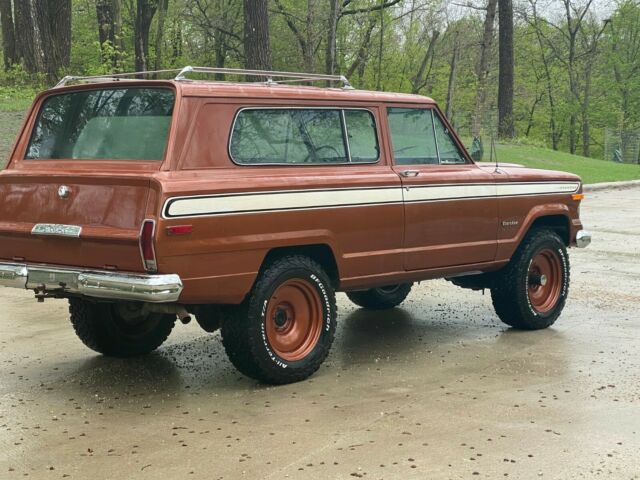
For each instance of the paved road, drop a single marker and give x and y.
(437, 389)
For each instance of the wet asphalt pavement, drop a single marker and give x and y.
(436, 389)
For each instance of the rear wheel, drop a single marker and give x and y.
(283, 331)
(531, 291)
(381, 298)
(119, 329)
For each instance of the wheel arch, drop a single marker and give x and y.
(559, 223)
(320, 252)
(555, 217)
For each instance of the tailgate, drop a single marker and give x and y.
(88, 220)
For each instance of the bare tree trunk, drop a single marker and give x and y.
(309, 53)
(506, 128)
(427, 61)
(45, 39)
(452, 78)
(145, 11)
(483, 68)
(257, 50)
(176, 41)
(586, 133)
(59, 16)
(9, 47)
(553, 126)
(532, 111)
(380, 50)
(332, 27)
(109, 31)
(163, 5)
(361, 57)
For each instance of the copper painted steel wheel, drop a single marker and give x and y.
(545, 280)
(294, 319)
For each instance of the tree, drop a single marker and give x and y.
(623, 58)
(45, 39)
(9, 47)
(506, 127)
(337, 11)
(145, 11)
(108, 13)
(305, 35)
(257, 49)
(218, 26)
(163, 6)
(482, 71)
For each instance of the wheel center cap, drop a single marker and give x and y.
(538, 280)
(280, 317)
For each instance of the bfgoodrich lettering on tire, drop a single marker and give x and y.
(531, 291)
(283, 331)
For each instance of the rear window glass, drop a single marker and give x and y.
(303, 136)
(105, 124)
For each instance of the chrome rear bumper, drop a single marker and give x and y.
(583, 238)
(92, 283)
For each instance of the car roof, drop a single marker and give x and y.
(195, 88)
(302, 92)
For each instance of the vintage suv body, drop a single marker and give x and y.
(249, 204)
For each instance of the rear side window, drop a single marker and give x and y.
(303, 136)
(104, 124)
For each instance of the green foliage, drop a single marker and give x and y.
(384, 49)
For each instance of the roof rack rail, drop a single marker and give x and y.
(110, 77)
(269, 75)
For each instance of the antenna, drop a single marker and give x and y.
(494, 154)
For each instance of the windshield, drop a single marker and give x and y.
(105, 124)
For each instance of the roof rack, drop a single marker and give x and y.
(282, 77)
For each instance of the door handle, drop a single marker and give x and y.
(410, 173)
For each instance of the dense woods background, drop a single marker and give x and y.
(560, 73)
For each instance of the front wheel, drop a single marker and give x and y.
(283, 331)
(381, 298)
(531, 291)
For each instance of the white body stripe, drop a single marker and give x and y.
(256, 202)
(510, 189)
(448, 192)
(266, 201)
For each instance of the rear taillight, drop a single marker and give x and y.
(146, 246)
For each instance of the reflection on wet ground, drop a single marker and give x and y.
(435, 389)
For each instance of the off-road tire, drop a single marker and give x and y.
(511, 289)
(103, 330)
(381, 298)
(246, 329)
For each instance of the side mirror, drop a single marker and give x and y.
(477, 150)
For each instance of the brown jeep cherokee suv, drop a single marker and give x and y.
(248, 205)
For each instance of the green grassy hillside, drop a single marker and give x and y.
(591, 170)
